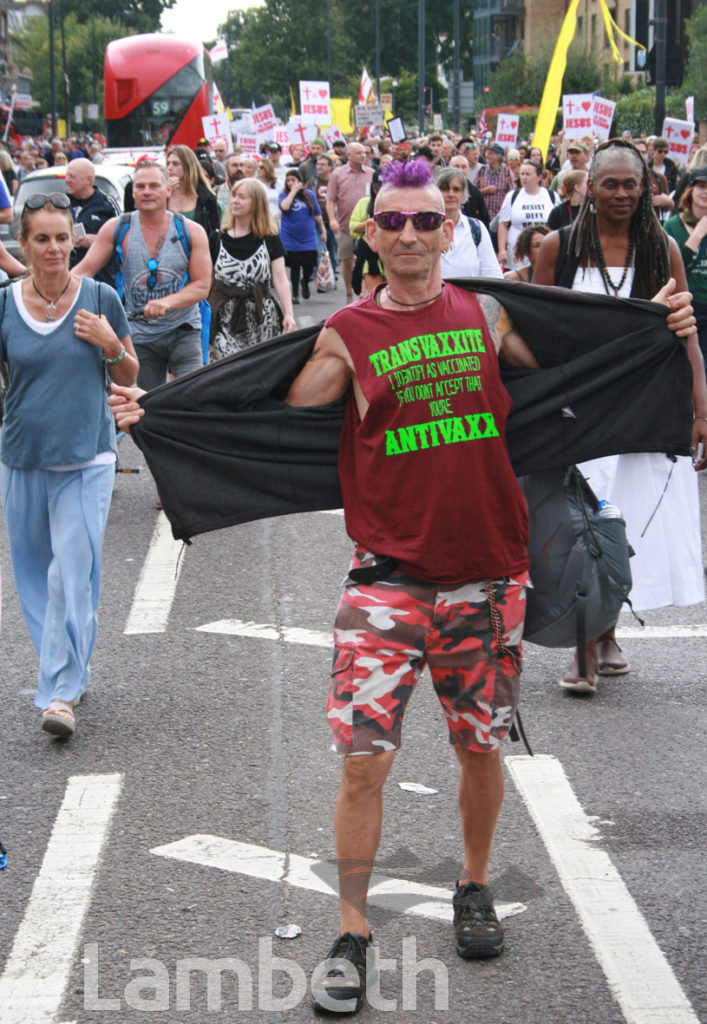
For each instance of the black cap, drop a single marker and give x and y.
(697, 174)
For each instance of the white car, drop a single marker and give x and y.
(110, 178)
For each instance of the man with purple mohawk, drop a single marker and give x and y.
(440, 566)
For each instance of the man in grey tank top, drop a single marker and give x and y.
(162, 284)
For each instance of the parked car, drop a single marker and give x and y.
(110, 178)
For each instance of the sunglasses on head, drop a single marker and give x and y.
(394, 220)
(152, 267)
(38, 200)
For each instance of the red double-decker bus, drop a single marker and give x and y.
(157, 89)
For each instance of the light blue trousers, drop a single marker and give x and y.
(56, 521)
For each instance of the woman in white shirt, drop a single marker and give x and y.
(471, 252)
(530, 204)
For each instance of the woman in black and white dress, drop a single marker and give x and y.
(249, 265)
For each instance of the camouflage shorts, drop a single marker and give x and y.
(386, 632)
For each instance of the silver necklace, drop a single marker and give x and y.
(50, 311)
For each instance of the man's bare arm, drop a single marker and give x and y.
(507, 341)
(100, 251)
(326, 376)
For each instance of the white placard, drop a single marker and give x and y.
(93, 111)
(281, 136)
(332, 134)
(216, 126)
(679, 135)
(299, 132)
(314, 102)
(690, 108)
(248, 143)
(78, 114)
(370, 114)
(577, 114)
(263, 118)
(507, 130)
(602, 116)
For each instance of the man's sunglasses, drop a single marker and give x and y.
(38, 200)
(394, 220)
(152, 267)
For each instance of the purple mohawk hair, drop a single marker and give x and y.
(410, 174)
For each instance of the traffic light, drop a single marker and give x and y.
(674, 67)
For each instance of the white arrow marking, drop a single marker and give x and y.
(269, 631)
(395, 894)
(37, 970)
(639, 976)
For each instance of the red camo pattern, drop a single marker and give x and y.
(386, 632)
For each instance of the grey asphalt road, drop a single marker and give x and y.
(224, 735)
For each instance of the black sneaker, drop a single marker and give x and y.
(341, 988)
(477, 929)
(305, 289)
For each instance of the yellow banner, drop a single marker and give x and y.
(552, 93)
(341, 115)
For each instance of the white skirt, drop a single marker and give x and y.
(667, 568)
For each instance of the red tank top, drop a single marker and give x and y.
(426, 476)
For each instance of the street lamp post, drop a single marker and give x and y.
(52, 67)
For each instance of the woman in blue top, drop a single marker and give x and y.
(59, 334)
(301, 218)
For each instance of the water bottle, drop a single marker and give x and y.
(605, 510)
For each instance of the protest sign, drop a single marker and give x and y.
(314, 102)
(577, 114)
(263, 119)
(602, 116)
(507, 130)
(679, 135)
(216, 126)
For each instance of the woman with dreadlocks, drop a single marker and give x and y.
(617, 247)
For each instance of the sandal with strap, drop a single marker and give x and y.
(58, 719)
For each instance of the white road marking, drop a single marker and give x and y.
(268, 631)
(670, 632)
(397, 894)
(639, 976)
(157, 585)
(42, 956)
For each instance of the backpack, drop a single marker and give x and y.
(119, 234)
(579, 561)
(475, 230)
(550, 191)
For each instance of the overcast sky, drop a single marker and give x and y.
(191, 19)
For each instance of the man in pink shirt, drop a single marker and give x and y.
(348, 184)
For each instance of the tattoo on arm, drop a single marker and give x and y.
(496, 318)
(508, 343)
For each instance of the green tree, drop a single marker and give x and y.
(274, 46)
(132, 15)
(520, 79)
(85, 49)
(695, 82)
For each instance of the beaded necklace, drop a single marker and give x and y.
(601, 263)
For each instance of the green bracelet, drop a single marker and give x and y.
(118, 359)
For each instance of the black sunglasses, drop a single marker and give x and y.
(38, 200)
(394, 220)
(152, 267)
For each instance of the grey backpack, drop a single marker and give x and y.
(579, 561)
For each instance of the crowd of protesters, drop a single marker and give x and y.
(307, 210)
